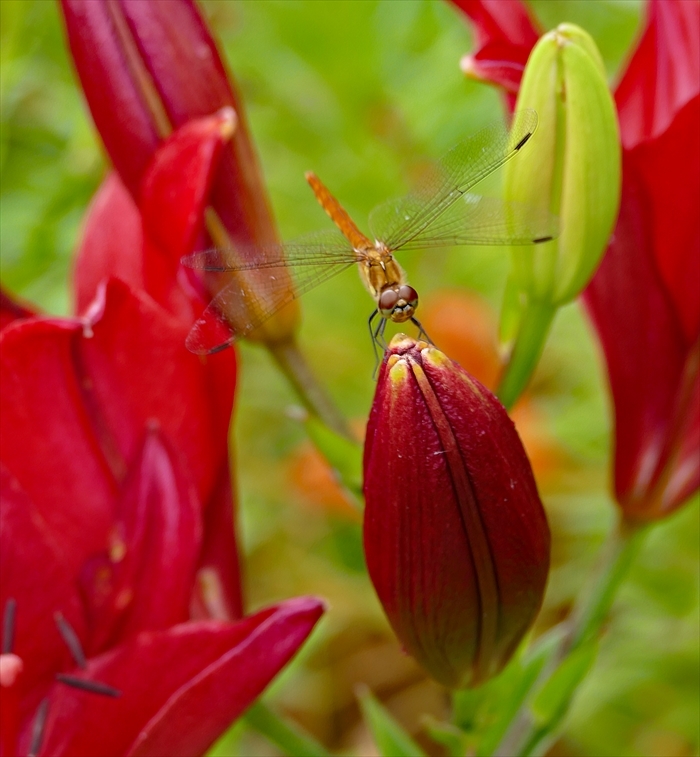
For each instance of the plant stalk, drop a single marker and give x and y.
(526, 736)
(286, 735)
(293, 364)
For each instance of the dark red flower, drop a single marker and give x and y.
(456, 539)
(643, 300)
(150, 68)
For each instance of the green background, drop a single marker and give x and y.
(363, 93)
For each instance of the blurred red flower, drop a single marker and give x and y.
(116, 500)
(644, 299)
(149, 68)
(456, 540)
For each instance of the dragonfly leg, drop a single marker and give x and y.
(421, 331)
(378, 342)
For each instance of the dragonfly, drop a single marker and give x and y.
(441, 212)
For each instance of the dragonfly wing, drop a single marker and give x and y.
(486, 220)
(257, 291)
(399, 221)
(324, 247)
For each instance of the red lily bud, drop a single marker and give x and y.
(456, 539)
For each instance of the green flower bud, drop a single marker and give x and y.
(573, 165)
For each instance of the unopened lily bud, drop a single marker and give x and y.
(574, 164)
(456, 540)
(573, 168)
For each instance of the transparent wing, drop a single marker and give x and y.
(318, 248)
(473, 219)
(259, 288)
(398, 222)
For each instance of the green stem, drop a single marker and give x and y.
(526, 736)
(290, 739)
(529, 342)
(294, 366)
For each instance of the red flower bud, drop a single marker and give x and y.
(456, 539)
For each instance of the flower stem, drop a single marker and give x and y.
(287, 736)
(293, 364)
(527, 734)
(529, 342)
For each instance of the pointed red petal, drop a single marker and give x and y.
(27, 544)
(112, 243)
(47, 434)
(181, 688)
(505, 35)
(634, 318)
(664, 72)
(669, 168)
(112, 86)
(155, 545)
(141, 372)
(174, 195)
(218, 589)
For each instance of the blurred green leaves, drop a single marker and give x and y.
(388, 735)
(49, 157)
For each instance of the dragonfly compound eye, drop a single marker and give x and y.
(387, 302)
(409, 295)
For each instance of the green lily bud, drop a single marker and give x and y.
(574, 168)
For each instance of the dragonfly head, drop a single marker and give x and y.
(398, 303)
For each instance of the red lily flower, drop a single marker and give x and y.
(116, 502)
(143, 248)
(149, 68)
(456, 540)
(127, 613)
(505, 34)
(643, 300)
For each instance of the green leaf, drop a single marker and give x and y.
(455, 741)
(286, 735)
(552, 701)
(389, 736)
(509, 690)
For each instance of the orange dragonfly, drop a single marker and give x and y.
(441, 213)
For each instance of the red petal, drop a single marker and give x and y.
(218, 590)
(180, 688)
(635, 319)
(154, 549)
(664, 72)
(174, 194)
(112, 243)
(505, 34)
(36, 574)
(141, 372)
(111, 83)
(669, 167)
(47, 434)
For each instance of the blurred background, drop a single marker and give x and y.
(365, 94)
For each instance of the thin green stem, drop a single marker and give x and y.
(529, 342)
(294, 366)
(526, 735)
(288, 736)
